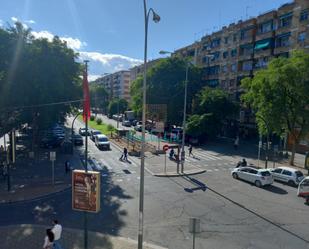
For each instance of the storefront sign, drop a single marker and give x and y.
(86, 191)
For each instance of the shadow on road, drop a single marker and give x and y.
(276, 190)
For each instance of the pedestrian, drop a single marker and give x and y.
(49, 239)
(190, 150)
(57, 230)
(67, 166)
(124, 155)
(236, 143)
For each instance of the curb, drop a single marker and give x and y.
(41, 197)
(37, 230)
(173, 174)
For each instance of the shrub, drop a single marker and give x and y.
(99, 121)
(92, 118)
(110, 127)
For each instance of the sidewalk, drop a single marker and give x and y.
(32, 236)
(32, 178)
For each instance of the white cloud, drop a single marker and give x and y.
(1, 23)
(73, 43)
(93, 77)
(14, 19)
(107, 63)
(30, 21)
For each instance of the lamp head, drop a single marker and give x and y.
(156, 18)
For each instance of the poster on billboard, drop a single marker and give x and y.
(86, 191)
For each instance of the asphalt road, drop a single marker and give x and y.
(233, 213)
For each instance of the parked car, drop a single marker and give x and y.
(260, 177)
(93, 133)
(303, 189)
(82, 132)
(288, 175)
(51, 142)
(138, 126)
(126, 123)
(101, 141)
(77, 139)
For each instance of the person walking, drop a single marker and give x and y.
(57, 230)
(190, 150)
(236, 143)
(124, 155)
(49, 239)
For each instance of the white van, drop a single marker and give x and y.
(101, 141)
(303, 189)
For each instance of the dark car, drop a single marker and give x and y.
(93, 133)
(77, 139)
(82, 132)
(51, 142)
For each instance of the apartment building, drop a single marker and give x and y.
(117, 84)
(241, 49)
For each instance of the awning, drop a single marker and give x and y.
(262, 44)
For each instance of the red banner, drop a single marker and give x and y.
(86, 109)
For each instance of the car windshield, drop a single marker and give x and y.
(102, 139)
(299, 173)
(265, 173)
(96, 132)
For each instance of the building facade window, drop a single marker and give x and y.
(285, 20)
(246, 49)
(226, 40)
(233, 67)
(247, 66)
(215, 56)
(245, 33)
(261, 62)
(304, 15)
(224, 68)
(213, 70)
(283, 40)
(213, 83)
(233, 52)
(302, 37)
(225, 54)
(266, 27)
(215, 43)
(234, 37)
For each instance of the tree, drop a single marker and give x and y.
(279, 95)
(165, 85)
(98, 96)
(211, 108)
(117, 106)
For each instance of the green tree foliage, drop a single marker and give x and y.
(211, 107)
(33, 73)
(165, 85)
(117, 106)
(279, 95)
(98, 97)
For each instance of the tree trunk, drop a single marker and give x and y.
(293, 153)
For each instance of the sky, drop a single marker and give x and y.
(110, 33)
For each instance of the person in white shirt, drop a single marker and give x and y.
(49, 239)
(57, 230)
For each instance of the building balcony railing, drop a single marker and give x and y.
(267, 35)
(246, 40)
(281, 50)
(245, 56)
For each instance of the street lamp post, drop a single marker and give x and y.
(156, 18)
(267, 139)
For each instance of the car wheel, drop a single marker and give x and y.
(291, 183)
(258, 184)
(235, 176)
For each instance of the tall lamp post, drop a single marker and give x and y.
(267, 139)
(156, 19)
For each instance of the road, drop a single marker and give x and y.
(233, 213)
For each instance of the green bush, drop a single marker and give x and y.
(92, 118)
(99, 121)
(110, 127)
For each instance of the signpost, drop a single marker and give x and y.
(194, 227)
(165, 148)
(86, 191)
(52, 158)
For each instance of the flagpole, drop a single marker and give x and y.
(86, 161)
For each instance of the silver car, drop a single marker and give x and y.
(260, 177)
(288, 175)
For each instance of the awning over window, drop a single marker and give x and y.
(262, 44)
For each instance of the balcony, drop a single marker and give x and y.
(266, 35)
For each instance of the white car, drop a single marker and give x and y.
(303, 189)
(289, 175)
(260, 177)
(101, 141)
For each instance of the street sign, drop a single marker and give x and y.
(86, 191)
(165, 147)
(52, 156)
